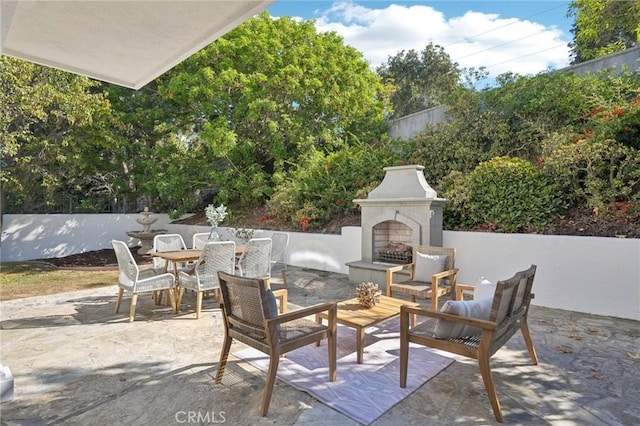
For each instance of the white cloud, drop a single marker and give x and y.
(472, 40)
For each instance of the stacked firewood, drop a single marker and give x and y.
(405, 249)
(368, 294)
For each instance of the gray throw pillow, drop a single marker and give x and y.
(427, 265)
(484, 288)
(479, 309)
(272, 310)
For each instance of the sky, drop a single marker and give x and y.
(523, 37)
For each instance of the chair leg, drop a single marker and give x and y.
(198, 304)
(434, 294)
(132, 310)
(173, 299)
(332, 345)
(284, 278)
(224, 354)
(434, 302)
(524, 327)
(119, 301)
(485, 371)
(274, 360)
(404, 349)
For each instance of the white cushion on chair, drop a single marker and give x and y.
(478, 309)
(484, 288)
(427, 265)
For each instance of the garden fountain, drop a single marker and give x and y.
(147, 234)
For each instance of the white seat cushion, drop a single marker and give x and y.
(479, 309)
(427, 265)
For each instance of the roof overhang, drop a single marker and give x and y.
(128, 43)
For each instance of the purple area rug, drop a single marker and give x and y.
(364, 391)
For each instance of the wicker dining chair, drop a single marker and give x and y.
(251, 316)
(255, 260)
(200, 239)
(167, 242)
(135, 281)
(216, 256)
(280, 245)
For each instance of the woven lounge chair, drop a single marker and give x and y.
(476, 328)
(251, 316)
(431, 275)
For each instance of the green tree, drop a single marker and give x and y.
(265, 94)
(603, 27)
(151, 153)
(54, 132)
(420, 78)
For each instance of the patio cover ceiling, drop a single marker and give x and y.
(128, 43)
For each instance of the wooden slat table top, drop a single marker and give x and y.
(178, 255)
(352, 314)
(188, 254)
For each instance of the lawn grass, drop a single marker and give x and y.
(19, 280)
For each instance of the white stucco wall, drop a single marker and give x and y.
(586, 274)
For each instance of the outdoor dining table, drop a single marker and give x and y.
(187, 255)
(181, 256)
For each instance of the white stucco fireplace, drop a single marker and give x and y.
(400, 214)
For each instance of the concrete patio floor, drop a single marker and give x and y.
(76, 362)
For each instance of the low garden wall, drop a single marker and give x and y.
(586, 274)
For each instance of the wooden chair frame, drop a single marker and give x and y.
(509, 312)
(264, 335)
(422, 289)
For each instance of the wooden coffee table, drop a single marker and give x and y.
(352, 314)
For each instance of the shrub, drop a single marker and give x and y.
(509, 195)
(326, 184)
(600, 166)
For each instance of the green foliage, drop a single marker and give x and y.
(600, 166)
(603, 27)
(264, 95)
(55, 135)
(554, 100)
(325, 185)
(504, 194)
(421, 78)
(583, 128)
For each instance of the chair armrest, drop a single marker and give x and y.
(460, 288)
(304, 312)
(406, 310)
(390, 272)
(282, 295)
(448, 273)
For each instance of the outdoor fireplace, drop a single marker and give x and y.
(400, 214)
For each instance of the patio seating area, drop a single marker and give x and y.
(75, 361)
